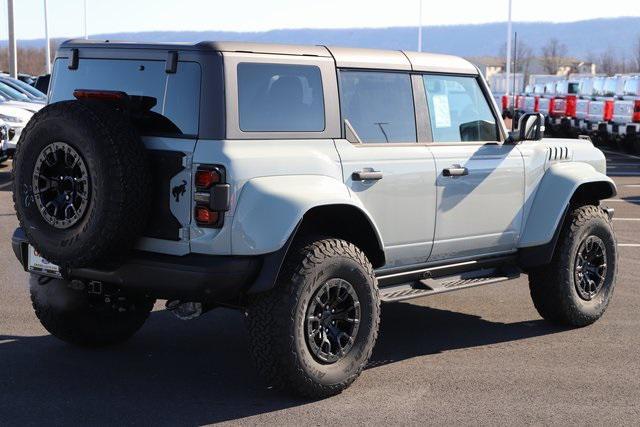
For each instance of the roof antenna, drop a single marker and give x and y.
(515, 60)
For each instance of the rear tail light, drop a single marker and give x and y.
(101, 95)
(552, 106)
(211, 196)
(636, 112)
(205, 216)
(536, 104)
(572, 102)
(608, 110)
(206, 178)
(505, 102)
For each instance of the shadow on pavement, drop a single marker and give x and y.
(5, 177)
(198, 372)
(632, 199)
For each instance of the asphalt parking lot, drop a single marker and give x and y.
(479, 356)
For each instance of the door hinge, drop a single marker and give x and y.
(186, 161)
(184, 233)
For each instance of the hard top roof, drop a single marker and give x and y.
(344, 56)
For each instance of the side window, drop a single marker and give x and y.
(459, 110)
(280, 98)
(379, 105)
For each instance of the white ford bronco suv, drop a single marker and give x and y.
(303, 185)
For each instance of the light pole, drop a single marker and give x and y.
(420, 26)
(84, 20)
(509, 51)
(13, 58)
(47, 47)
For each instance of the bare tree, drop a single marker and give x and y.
(553, 56)
(30, 60)
(524, 58)
(636, 54)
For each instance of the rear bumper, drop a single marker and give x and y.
(194, 276)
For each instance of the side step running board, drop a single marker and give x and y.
(428, 287)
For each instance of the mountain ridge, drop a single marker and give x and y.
(618, 35)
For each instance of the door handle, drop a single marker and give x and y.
(455, 170)
(366, 175)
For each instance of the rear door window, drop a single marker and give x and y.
(379, 105)
(280, 98)
(458, 110)
(177, 95)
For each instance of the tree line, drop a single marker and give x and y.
(554, 55)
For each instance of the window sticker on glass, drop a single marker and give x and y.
(441, 111)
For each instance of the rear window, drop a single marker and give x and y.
(177, 95)
(280, 98)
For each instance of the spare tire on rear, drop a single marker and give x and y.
(81, 183)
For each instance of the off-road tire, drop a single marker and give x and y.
(276, 320)
(553, 287)
(80, 319)
(119, 177)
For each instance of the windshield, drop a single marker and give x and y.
(610, 86)
(598, 86)
(10, 92)
(24, 87)
(632, 87)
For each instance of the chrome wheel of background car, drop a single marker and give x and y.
(591, 267)
(333, 318)
(60, 185)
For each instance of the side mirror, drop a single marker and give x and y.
(530, 128)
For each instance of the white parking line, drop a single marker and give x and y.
(613, 173)
(623, 200)
(632, 185)
(626, 219)
(629, 245)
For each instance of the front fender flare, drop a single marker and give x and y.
(270, 208)
(554, 193)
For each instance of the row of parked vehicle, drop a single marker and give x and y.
(605, 108)
(19, 100)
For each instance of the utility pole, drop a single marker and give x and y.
(420, 26)
(47, 47)
(84, 20)
(508, 50)
(13, 58)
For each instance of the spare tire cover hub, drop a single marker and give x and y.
(61, 185)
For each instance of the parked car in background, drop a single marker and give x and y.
(625, 121)
(544, 102)
(42, 83)
(25, 105)
(601, 107)
(15, 119)
(31, 92)
(585, 94)
(562, 107)
(4, 139)
(531, 101)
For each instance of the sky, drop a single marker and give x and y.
(112, 16)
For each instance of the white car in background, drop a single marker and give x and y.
(4, 139)
(16, 119)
